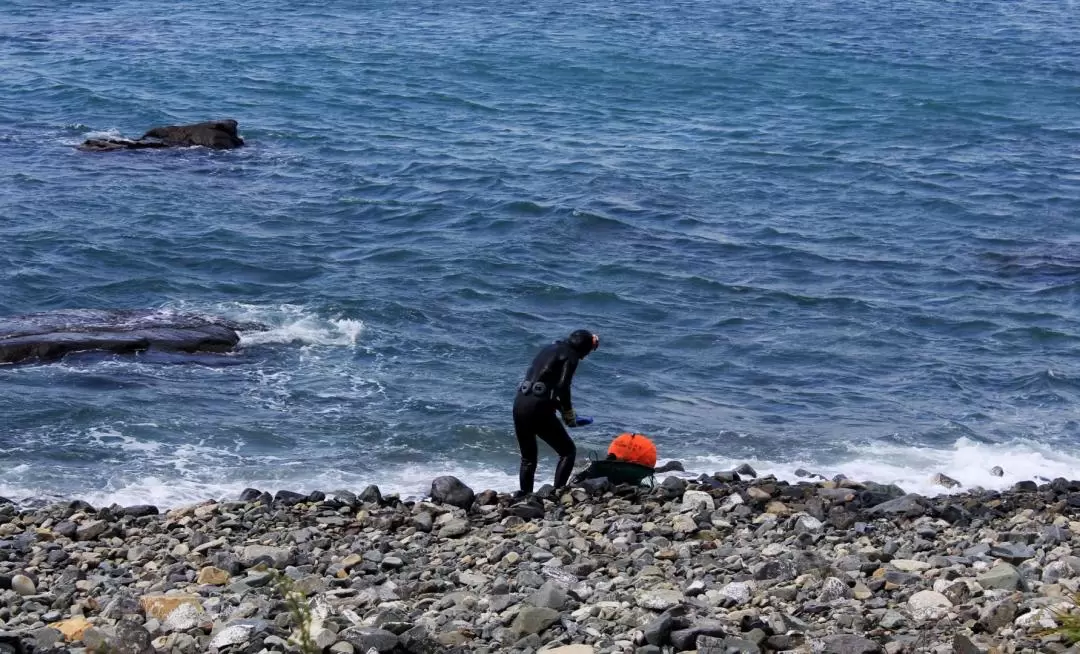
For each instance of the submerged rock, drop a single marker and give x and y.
(216, 134)
(51, 336)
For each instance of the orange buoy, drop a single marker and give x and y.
(635, 448)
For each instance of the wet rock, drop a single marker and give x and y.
(996, 471)
(944, 481)
(289, 498)
(370, 495)
(450, 490)
(745, 470)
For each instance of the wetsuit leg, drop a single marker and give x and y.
(553, 433)
(525, 428)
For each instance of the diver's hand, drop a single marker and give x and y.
(569, 418)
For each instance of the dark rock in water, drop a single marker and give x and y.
(140, 510)
(250, 495)
(451, 490)
(1025, 486)
(80, 505)
(50, 336)
(371, 495)
(940, 479)
(289, 498)
(996, 471)
(670, 466)
(745, 470)
(346, 497)
(728, 477)
(803, 472)
(316, 496)
(216, 134)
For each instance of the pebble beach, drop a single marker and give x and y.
(730, 562)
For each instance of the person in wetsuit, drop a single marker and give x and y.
(545, 389)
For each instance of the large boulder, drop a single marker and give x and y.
(216, 134)
(451, 490)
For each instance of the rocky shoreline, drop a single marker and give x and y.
(725, 563)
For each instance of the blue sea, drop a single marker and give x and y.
(843, 236)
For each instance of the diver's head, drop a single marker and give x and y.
(583, 341)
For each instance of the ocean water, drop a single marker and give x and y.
(836, 235)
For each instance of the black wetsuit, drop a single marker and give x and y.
(546, 388)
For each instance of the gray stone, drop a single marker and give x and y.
(368, 638)
(423, 522)
(91, 530)
(963, 645)
(892, 620)
(958, 593)
(1001, 577)
(997, 471)
(808, 524)
(455, 528)
(782, 569)
(657, 631)
(686, 639)
(850, 644)
(832, 590)
(928, 605)
(659, 600)
(997, 615)
(909, 505)
(549, 595)
(738, 592)
(697, 500)
(237, 634)
(1055, 571)
(275, 557)
(23, 585)
(533, 620)
(1012, 552)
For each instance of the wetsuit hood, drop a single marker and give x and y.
(583, 342)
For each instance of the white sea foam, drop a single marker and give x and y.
(911, 468)
(289, 323)
(195, 472)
